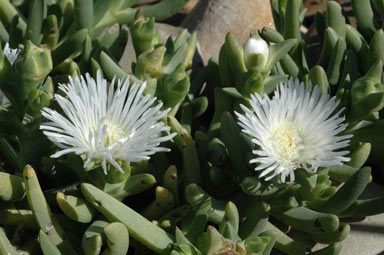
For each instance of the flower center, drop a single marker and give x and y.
(114, 132)
(286, 142)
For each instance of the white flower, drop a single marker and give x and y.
(119, 123)
(10, 53)
(297, 128)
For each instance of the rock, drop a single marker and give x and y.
(213, 19)
(165, 31)
(366, 236)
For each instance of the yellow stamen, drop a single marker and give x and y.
(285, 142)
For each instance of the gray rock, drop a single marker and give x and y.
(213, 19)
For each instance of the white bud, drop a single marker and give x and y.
(258, 46)
(256, 53)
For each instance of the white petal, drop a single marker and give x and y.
(297, 128)
(107, 124)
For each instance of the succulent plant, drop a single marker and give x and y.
(50, 47)
(350, 82)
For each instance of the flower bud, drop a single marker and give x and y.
(367, 93)
(39, 98)
(256, 53)
(32, 66)
(367, 97)
(171, 89)
(144, 34)
(150, 61)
